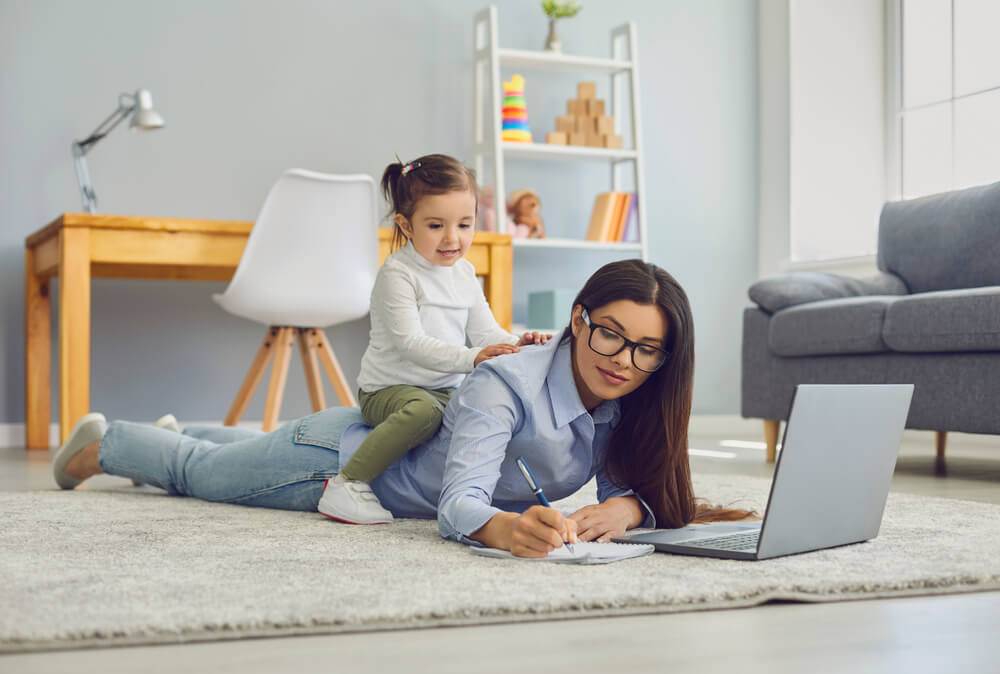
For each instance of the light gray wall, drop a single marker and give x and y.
(251, 87)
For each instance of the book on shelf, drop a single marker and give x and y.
(602, 216)
(610, 217)
(630, 232)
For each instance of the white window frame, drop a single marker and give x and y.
(774, 166)
(895, 104)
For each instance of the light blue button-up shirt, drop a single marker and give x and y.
(524, 404)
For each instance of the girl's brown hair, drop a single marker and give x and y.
(648, 449)
(404, 185)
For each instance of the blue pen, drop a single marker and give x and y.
(536, 489)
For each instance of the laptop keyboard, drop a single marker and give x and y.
(728, 542)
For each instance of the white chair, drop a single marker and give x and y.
(309, 263)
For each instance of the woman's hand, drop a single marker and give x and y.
(606, 520)
(534, 533)
(534, 337)
(493, 351)
(540, 530)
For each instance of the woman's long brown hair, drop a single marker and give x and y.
(648, 449)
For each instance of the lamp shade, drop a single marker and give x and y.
(145, 118)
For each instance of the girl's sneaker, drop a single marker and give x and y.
(353, 502)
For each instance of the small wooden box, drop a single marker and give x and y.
(576, 107)
(612, 141)
(566, 123)
(577, 138)
(556, 138)
(584, 125)
(595, 107)
(604, 125)
(595, 140)
(585, 90)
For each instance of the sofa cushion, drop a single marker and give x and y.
(777, 292)
(943, 241)
(849, 325)
(950, 320)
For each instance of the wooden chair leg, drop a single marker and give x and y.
(283, 344)
(940, 441)
(253, 377)
(332, 367)
(771, 428)
(307, 349)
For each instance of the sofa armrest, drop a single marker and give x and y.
(777, 292)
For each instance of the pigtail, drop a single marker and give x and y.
(390, 191)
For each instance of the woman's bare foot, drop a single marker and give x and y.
(85, 464)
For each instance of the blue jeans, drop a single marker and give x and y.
(287, 468)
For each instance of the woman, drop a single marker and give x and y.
(611, 398)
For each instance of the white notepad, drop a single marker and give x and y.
(583, 553)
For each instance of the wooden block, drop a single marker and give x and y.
(576, 107)
(612, 141)
(586, 90)
(577, 138)
(566, 123)
(584, 125)
(595, 107)
(604, 125)
(557, 138)
(595, 140)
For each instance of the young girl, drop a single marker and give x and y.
(425, 304)
(611, 398)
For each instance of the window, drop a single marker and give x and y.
(947, 110)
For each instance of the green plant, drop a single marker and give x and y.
(561, 10)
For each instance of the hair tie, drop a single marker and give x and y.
(409, 167)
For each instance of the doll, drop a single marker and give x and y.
(524, 207)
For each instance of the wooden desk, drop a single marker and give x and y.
(79, 247)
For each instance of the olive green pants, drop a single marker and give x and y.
(403, 417)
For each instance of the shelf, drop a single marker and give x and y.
(543, 60)
(562, 152)
(493, 154)
(576, 243)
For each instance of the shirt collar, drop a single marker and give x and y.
(419, 260)
(566, 403)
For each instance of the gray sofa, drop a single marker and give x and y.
(930, 317)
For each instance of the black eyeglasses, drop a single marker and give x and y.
(607, 342)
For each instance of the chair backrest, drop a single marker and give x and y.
(312, 255)
(943, 241)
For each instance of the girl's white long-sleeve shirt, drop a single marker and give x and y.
(422, 316)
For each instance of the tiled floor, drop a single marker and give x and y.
(955, 633)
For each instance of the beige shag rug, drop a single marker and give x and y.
(135, 566)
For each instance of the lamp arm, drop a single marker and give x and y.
(126, 104)
(83, 179)
(105, 127)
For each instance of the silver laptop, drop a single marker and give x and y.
(830, 483)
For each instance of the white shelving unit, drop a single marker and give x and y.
(621, 67)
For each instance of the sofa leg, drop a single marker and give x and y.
(940, 441)
(771, 428)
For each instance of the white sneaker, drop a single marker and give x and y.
(89, 429)
(168, 422)
(352, 501)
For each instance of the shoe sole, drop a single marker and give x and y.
(360, 524)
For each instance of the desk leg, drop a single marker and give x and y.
(37, 356)
(498, 285)
(74, 327)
